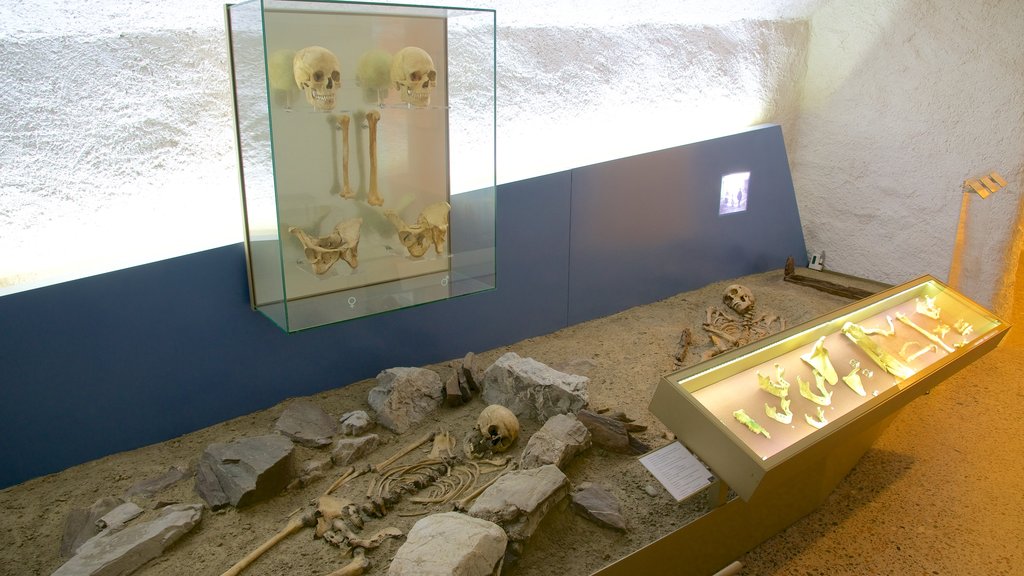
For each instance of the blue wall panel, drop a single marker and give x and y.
(647, 227)
(125, 359)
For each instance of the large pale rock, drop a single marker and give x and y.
(123, 552)
(404, 396)
(532, 389)
(348, 450)
(450, 544)
(561, 438)
(245, 471)
(518, 501)
(307, 424)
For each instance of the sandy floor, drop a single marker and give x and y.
(624, 355)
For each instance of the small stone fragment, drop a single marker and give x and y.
(152, 486)
(348, 450)
(118, 517)
(356, 423)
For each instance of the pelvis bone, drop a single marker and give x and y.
(430, 228)
(323, 252)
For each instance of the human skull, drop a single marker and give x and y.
(739, 298)
(499, 427)
(318, 74)
(414, 75)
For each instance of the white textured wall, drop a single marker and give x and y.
(117, 145)
(903, 101)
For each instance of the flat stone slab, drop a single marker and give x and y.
(404, 396)
(245, 471)
(594, 502)
(80, 524)
(151, 486)
(307, 424)
(518, 501)
(561, 438)
(123, 552)
(450, 544)
(532, 389)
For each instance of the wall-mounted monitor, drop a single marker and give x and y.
(734, 193)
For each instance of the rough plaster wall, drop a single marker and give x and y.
(903, 101)
(118, 149)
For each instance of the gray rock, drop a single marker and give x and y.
(80, 524)
(245, 471)
(356, 423)
(518, 501)
(450, 544)
(532, 389)
(151, 486)
(348, 450)
(561, 438)
(307, 424)
(594, 502)
(118, 517)
(404, 396)
(123, 552)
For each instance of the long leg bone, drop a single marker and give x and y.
(294, 525)
(373, 197)
(379, 467)
(356, 567)
(343, 122)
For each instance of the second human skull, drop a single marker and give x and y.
(739, 298)
(318, 74)
(499, 427)
(413, 75)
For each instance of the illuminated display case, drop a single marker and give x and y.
(366, 150)
(774, 406)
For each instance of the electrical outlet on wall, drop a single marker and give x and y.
(816, 261)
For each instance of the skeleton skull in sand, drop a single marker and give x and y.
(739, 298)
(497, 428)
(414, 76)
(317, 73)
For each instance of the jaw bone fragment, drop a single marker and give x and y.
(879, 355)
(818, 359)
(373, 197)
(818, 422)
(805, 390)
(785, 417)
(431, 227)
(853, 380)
(323, 252)
(780, 389)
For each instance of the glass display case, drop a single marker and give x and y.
(765, 407)
(366, 149)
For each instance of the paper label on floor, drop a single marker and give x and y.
(678, 470)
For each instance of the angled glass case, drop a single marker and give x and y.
(770, 406)
(366, 149)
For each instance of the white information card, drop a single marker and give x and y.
(679, 471)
